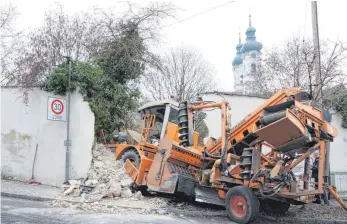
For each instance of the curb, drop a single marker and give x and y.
(27, 197)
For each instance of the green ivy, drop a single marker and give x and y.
(83, 75)
(340, 105)
(112, 103)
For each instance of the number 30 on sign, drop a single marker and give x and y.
(56, 110)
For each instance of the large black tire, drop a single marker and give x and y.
(274, 207)
(133, 156)
(241, 204)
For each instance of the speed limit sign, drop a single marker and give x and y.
(56, 109)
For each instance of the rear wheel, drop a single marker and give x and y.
(274, 207)
(133, 156)
(241, 204)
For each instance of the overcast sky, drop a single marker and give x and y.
(215, 33)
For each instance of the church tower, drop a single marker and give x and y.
(248, 65)
(238, 67)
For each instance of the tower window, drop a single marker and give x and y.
(253, 68)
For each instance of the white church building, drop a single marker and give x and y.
(247, 60)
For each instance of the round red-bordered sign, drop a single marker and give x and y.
(57, 111)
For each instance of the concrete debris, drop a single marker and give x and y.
(138, 196)
(158, 202)
(74, 182)
(98, 164)
(69, 190)
(107, 182)
(106, 178)
(76, 192)
(126, 193)
(91, 183)
(96, 153)
(91, 175)
(127, 182)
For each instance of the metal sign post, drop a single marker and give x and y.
(67, 162)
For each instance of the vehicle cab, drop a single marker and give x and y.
(159, 120)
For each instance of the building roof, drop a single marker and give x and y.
(251, 43)
(238, 58)
(158, 103)
(234, 94)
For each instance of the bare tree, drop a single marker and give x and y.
(180, 74)
(11, 42)
(84, 37)
(292, 65)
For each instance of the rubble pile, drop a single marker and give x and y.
(106, 189)
(106, 178)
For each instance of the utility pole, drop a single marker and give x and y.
(317, 77)
(317, 62)
(319, 91)
(67, 153)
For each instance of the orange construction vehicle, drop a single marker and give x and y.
(159, 120)
(235, 171)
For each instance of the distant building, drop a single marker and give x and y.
(247, 60)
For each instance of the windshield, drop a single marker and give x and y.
(173, 116)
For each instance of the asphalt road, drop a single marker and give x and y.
(25, 211)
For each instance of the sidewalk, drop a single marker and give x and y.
(18, 189)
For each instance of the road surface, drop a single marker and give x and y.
(25, 211)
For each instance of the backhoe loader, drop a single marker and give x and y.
(159, 120)
(235, 171)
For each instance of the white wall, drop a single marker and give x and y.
(338, 148)
(23, 126)
(241, 106)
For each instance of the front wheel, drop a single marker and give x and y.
(241, 204)
(133, 156)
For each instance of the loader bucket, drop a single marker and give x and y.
(130, 169)
(286, 133)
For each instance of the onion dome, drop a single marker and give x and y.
(251, 43)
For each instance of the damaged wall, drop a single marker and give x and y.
(23, 125)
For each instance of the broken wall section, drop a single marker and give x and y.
(23, 125)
